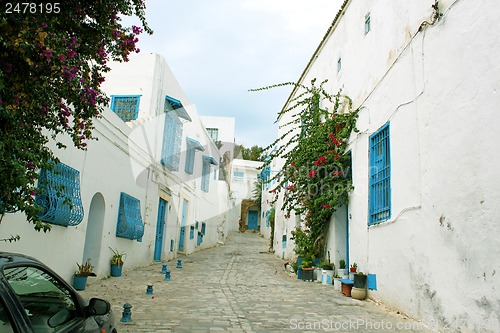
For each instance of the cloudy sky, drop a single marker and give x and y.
(220, 49)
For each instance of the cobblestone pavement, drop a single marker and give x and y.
(239, 287)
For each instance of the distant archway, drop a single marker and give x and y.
(93, 236)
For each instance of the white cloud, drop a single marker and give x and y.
(219, 49)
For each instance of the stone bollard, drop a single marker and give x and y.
(167, 275)
(127, 313)
(163, 268)
(179, 264)
(149, 289)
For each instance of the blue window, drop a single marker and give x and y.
(205, 172)
(339, 64)
(380, 176)
(203, 228)
(191, 232)
(213, 133)
(129, 223)
(172, 136)
(126, 107)
(191, 146)
(59, 196)
(268, 215)
(283, 241)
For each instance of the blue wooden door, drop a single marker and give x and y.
(183, 225)
(160, 227)
(252, 220)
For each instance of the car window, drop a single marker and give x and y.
(5, 321)
(47, 302)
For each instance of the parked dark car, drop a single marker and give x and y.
(34, 299)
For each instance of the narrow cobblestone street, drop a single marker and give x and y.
(239, 287)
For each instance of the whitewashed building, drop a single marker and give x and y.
(428, 93)
(148, 186)
(221, 129)
(244, 176)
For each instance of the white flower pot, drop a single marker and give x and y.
(327, 277)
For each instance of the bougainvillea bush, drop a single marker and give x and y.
(315, 178)
(52, 62)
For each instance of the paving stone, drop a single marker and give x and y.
(238, 287)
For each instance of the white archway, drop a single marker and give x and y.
(93, 236)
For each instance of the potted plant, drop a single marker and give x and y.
(307, 270)
(359, 288)
(353, 268)
(117, 260)
(342, 271)
(336, 282)
(327, 272)
(84, 271)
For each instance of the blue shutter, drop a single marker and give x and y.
(380, 176)
(126, 107)
(191, 146)
(59, 196)
(129, 223)
(172, 136)
(205, 175)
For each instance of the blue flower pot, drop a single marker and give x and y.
(79, 282)
(116, 270)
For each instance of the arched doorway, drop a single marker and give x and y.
(93, 236)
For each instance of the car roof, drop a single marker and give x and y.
(10, 257)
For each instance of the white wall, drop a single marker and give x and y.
(126, 159)
(437, 257)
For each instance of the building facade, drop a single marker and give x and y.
(425, 79)
(148, 186)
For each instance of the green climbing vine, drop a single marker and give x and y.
(315, 177)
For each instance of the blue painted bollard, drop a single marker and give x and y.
(167, 275)
(149, 289)
(179, 264)
(163, 268)
(127, 313)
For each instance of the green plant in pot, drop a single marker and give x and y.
(327, 272)
(342, 271)
(82, 273)
(307, 270)
(117, 261)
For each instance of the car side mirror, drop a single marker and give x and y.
(98, 307)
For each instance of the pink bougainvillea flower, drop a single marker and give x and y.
(326, 206)
(292, 164)
(312, 173)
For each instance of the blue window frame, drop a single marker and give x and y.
(129, 223)
(126, 107)
(203, 228)
(191, 232)
(191, 146)
(205, 172)
(380, 176)
(59, 196)
(172, 136)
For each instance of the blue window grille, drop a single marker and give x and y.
(203, 228)
(213, 133)
(191, 146)
(380, 176)
(283, 241)
(59, 196)
(126, 107)
(191, 232)
(205, 172)
(172, 136)
(129, 223)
